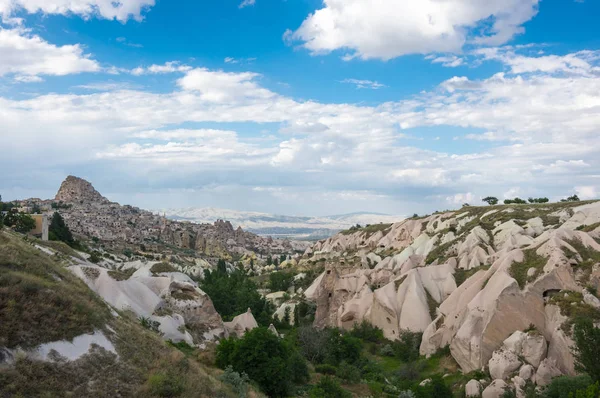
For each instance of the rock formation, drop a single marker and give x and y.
(486, 282)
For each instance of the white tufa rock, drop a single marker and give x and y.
(473, 389)
(495, 390)
(503, 363)
(526, 372)
(546, 372)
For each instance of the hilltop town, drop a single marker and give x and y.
(91, 216)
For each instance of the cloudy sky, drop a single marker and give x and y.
(304, 107)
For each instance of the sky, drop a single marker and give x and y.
(301, 107)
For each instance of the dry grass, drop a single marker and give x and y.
(40, 301)
(121, 275)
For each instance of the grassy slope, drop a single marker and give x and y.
(41, 301)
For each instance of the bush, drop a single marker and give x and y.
(232, 294)
(436, 388)
(387, 351)
(367, 332)
(563, 386)
(326, 369)
(166, 385)
(162, 267)
(587, 347)
(407, 346)
(280, 281)
(342, 347)
(237, 381)
(266, 359)
(327, 387)
(349, 373)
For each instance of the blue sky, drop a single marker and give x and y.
(301, 106)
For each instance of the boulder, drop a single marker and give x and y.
(519, 384)
(526, 372)
(514, 343)
(503, 363)
(473, 388)
(546, 372)
(535, 348)
(495, 390)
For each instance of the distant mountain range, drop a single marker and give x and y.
(310, 228)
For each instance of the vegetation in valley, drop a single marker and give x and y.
(233, 293)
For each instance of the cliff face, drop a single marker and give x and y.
(77, 190)
(468, 279)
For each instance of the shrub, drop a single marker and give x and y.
(349, 373)
(237, 381)
(312, 343)
(162, 267)
(232, 294)
(95, 257)
(563, 386)
(266, 359)
(326, 369)
(436, 388)
(367, 332)
(587, 347)
(342, 347)
(327, 387)
(166, 385)
(407, 346)
(280, 281)
(387, 351)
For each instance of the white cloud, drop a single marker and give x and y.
(29, 56)
(461, 198)
(545, 122)
(370, 84)
(449, 61)
(587, 192)
(391, 28)
(179, 134)
(219, 86)
(579, 63)
(247, 3)
(107, 9)
(169, 67)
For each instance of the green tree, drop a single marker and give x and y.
(232, 294)
(490, 200)
(268, 360)
(587, 348)
(24, 223)
(280, 281)
(58, 230)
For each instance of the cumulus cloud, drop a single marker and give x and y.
(219, 86)
(578, 63)
(393, 28)
(544, 123)
(122, 10)
(28, 56)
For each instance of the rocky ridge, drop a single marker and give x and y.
(469, 279)
(89, 215)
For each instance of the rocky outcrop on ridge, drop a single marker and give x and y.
(474, 280)
(89, 215)
(77, 190)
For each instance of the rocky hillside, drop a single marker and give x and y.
(58, 338)
(474, 279)
(89, 215)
